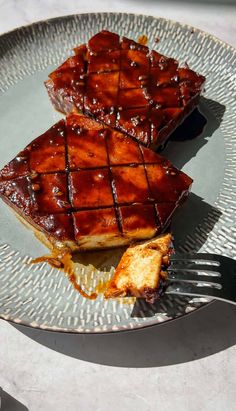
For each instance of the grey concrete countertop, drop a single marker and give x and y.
(186, 365)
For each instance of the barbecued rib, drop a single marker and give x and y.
(86, 186)
(126, 86)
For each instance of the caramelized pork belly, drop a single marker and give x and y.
(127, 86)
(86, 186)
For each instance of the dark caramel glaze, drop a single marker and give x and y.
(17, 194)
(95, 222)
(58, 226)
(134, 121)
(164, 212)
(90, 145)
(137, 218)
(123, 150)
(150, 157)
(69, 78)
(18, 167)
(166, 182)
(47, 152)
(130, 184)
(126, 86)
(49, 193)
(103, 41)
(89, 186)
(104, 61)
(128, 44)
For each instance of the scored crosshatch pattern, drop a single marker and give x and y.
(100, 171)
(126, 86)
(41, 296)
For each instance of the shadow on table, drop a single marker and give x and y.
(202, 333)
(9, 403)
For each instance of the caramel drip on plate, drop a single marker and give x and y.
(102, 286)
(63, 260)
(54, 262)
(77, 287)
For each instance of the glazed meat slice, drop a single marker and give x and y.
(85, 186)
(127, 86)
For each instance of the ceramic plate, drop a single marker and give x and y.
(41, 296)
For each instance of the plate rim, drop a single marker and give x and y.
(110, 331)
(65, 16)
(208, 35)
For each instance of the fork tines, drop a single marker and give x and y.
(202, 275)
(191, 267)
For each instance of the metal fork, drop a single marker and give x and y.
(201, 275)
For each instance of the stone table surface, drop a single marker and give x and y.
(186, 365)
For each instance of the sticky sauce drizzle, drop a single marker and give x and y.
(63, 260)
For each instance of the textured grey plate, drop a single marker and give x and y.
(41, 296)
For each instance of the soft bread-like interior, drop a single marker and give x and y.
(141, 268)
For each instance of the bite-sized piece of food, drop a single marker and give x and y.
(86, 186)
(141, 271)
(127, 86)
